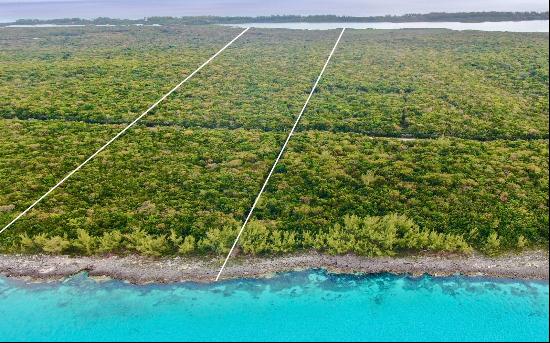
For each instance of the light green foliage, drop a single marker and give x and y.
(385, 236)
(259, 239)
(84, 243)
(522, 242)
(255, 239)
(218, 241)
(27, 245)
(174, 238)
(110, 242)
(188, 246)
(153, 246)
(283, 242)
(145, 244)
(309, 241)
(492, 245)
(40, 241)
(55, 245)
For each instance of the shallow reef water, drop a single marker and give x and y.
(310, 305)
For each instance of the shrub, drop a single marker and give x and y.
(218, 240)
(111, 241)
(188, 246)
(40, 241)
(522, 242)
(174, 238)
(84, 243)
(255, 239)
(492, 245)
(337, 241)
(143, 243)
(282, 242)
(56, 245)
(258, 239)
(308, 240)
(27, 244)
(385, 236)
(154, 246)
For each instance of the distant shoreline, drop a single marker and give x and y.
(139, 270)
(458, 17)
(528, 26)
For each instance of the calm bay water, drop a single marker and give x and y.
(510, 26)
(504, 26)
(312, 305)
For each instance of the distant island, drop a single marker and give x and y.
(469, 17)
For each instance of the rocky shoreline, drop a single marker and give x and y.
(136, 269)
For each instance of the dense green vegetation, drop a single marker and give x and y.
(412, 83)
(450, 186)
(199, 184)
(370, 236)
(105, 74)
(259, 82)
(155, 179)
(424, 83)
(202, 20)
(182, 181)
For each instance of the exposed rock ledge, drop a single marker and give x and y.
(136, 269)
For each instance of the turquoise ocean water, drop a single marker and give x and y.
(311, 305)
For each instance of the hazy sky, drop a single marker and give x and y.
(46, 9)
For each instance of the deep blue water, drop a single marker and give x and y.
(312, 305)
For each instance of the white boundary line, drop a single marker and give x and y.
(124, 130)
(279, 156)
